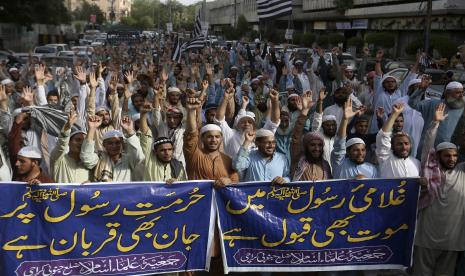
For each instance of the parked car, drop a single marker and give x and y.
(59, 46)
(65, 54)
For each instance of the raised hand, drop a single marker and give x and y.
(80, 74)
(3, 96)
(93, 122)
(348, 111)
(379, 54)
(129, 75)
(72, 119)
(113, 83)
(366, 51)
(249, 137)
(193, 104)
(229, 93)
(284, 71)
(398, 108)
(205, 85)
(439, 115)
(380, 112)
(39, 73)
(274, 95)
(127, 125)
(322, 94)
(27, 95)
(294, 71)
(93, 83)
(164, 76)
(245, 101)
(307, 101)
(209, 69)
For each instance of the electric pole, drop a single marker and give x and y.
(429, 10)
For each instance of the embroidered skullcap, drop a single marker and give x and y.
(354, 141)
(445, 145)
(209, 127)
(30, 152)
(112, 134)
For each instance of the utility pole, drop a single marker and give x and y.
(235, 14)
(429, 11)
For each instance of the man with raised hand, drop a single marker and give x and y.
(440, 228)
(160, 163)
(393, 150)
(353, 165)
(113, 164)
(263, 163)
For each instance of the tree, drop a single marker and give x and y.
(128, 20)
(382, 39)
(441, 44)
(335, 39)
(343, 5)
(322, 41)
(86, 10)
(355, 41)
(242, 25)
(308, 39)
(28, 12)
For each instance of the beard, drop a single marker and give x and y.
(310, 158)
(454, 103)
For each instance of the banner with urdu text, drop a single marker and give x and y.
(105, 229)
(318, 226)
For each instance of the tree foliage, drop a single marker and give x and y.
(28, 12)
(86, 9)
(382, 39)
(355, 41)
(444, 46)
(242, 25)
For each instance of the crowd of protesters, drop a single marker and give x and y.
(232, 114)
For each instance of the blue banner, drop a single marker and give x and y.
(105, 229)
(318, 226)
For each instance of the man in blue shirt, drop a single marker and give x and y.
(264, 163)
(353, 165)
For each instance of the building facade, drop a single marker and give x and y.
(120, 8)
(403, 18)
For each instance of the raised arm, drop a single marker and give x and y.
(379, 57)
(88, 156)
(396, 111)
(275, 108)
(298, 132)
(432, 131)
(134, 150)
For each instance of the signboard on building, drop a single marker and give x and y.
(319, 25)
(360, 24)
(289, 33)
(169, 27)
(343, 25)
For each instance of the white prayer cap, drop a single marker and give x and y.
(454, 85)
(78, 132)
(413, 81)
(30, 152)
(174, 90)
(259, 77)
(292, 95)
(112, 134)
(102, 108)
(254, 80)
(298, 61)
(263, 133)
(209, 127)
(445, 145)
(349, 68)
(135, 117)
(387, 77)
(16, 112)
(13, 69)
(329, 118)
(234, 67)
(6, 81)
(354, 141)
(248, 114)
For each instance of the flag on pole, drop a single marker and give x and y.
(268, 9)
(196, 43)
(177, 51)
(198, 25)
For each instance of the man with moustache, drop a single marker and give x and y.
(393, 150)
(453, 99)
(264, 163)
(440, 227)
(326, 125)
(307, 162)
(354, 164)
